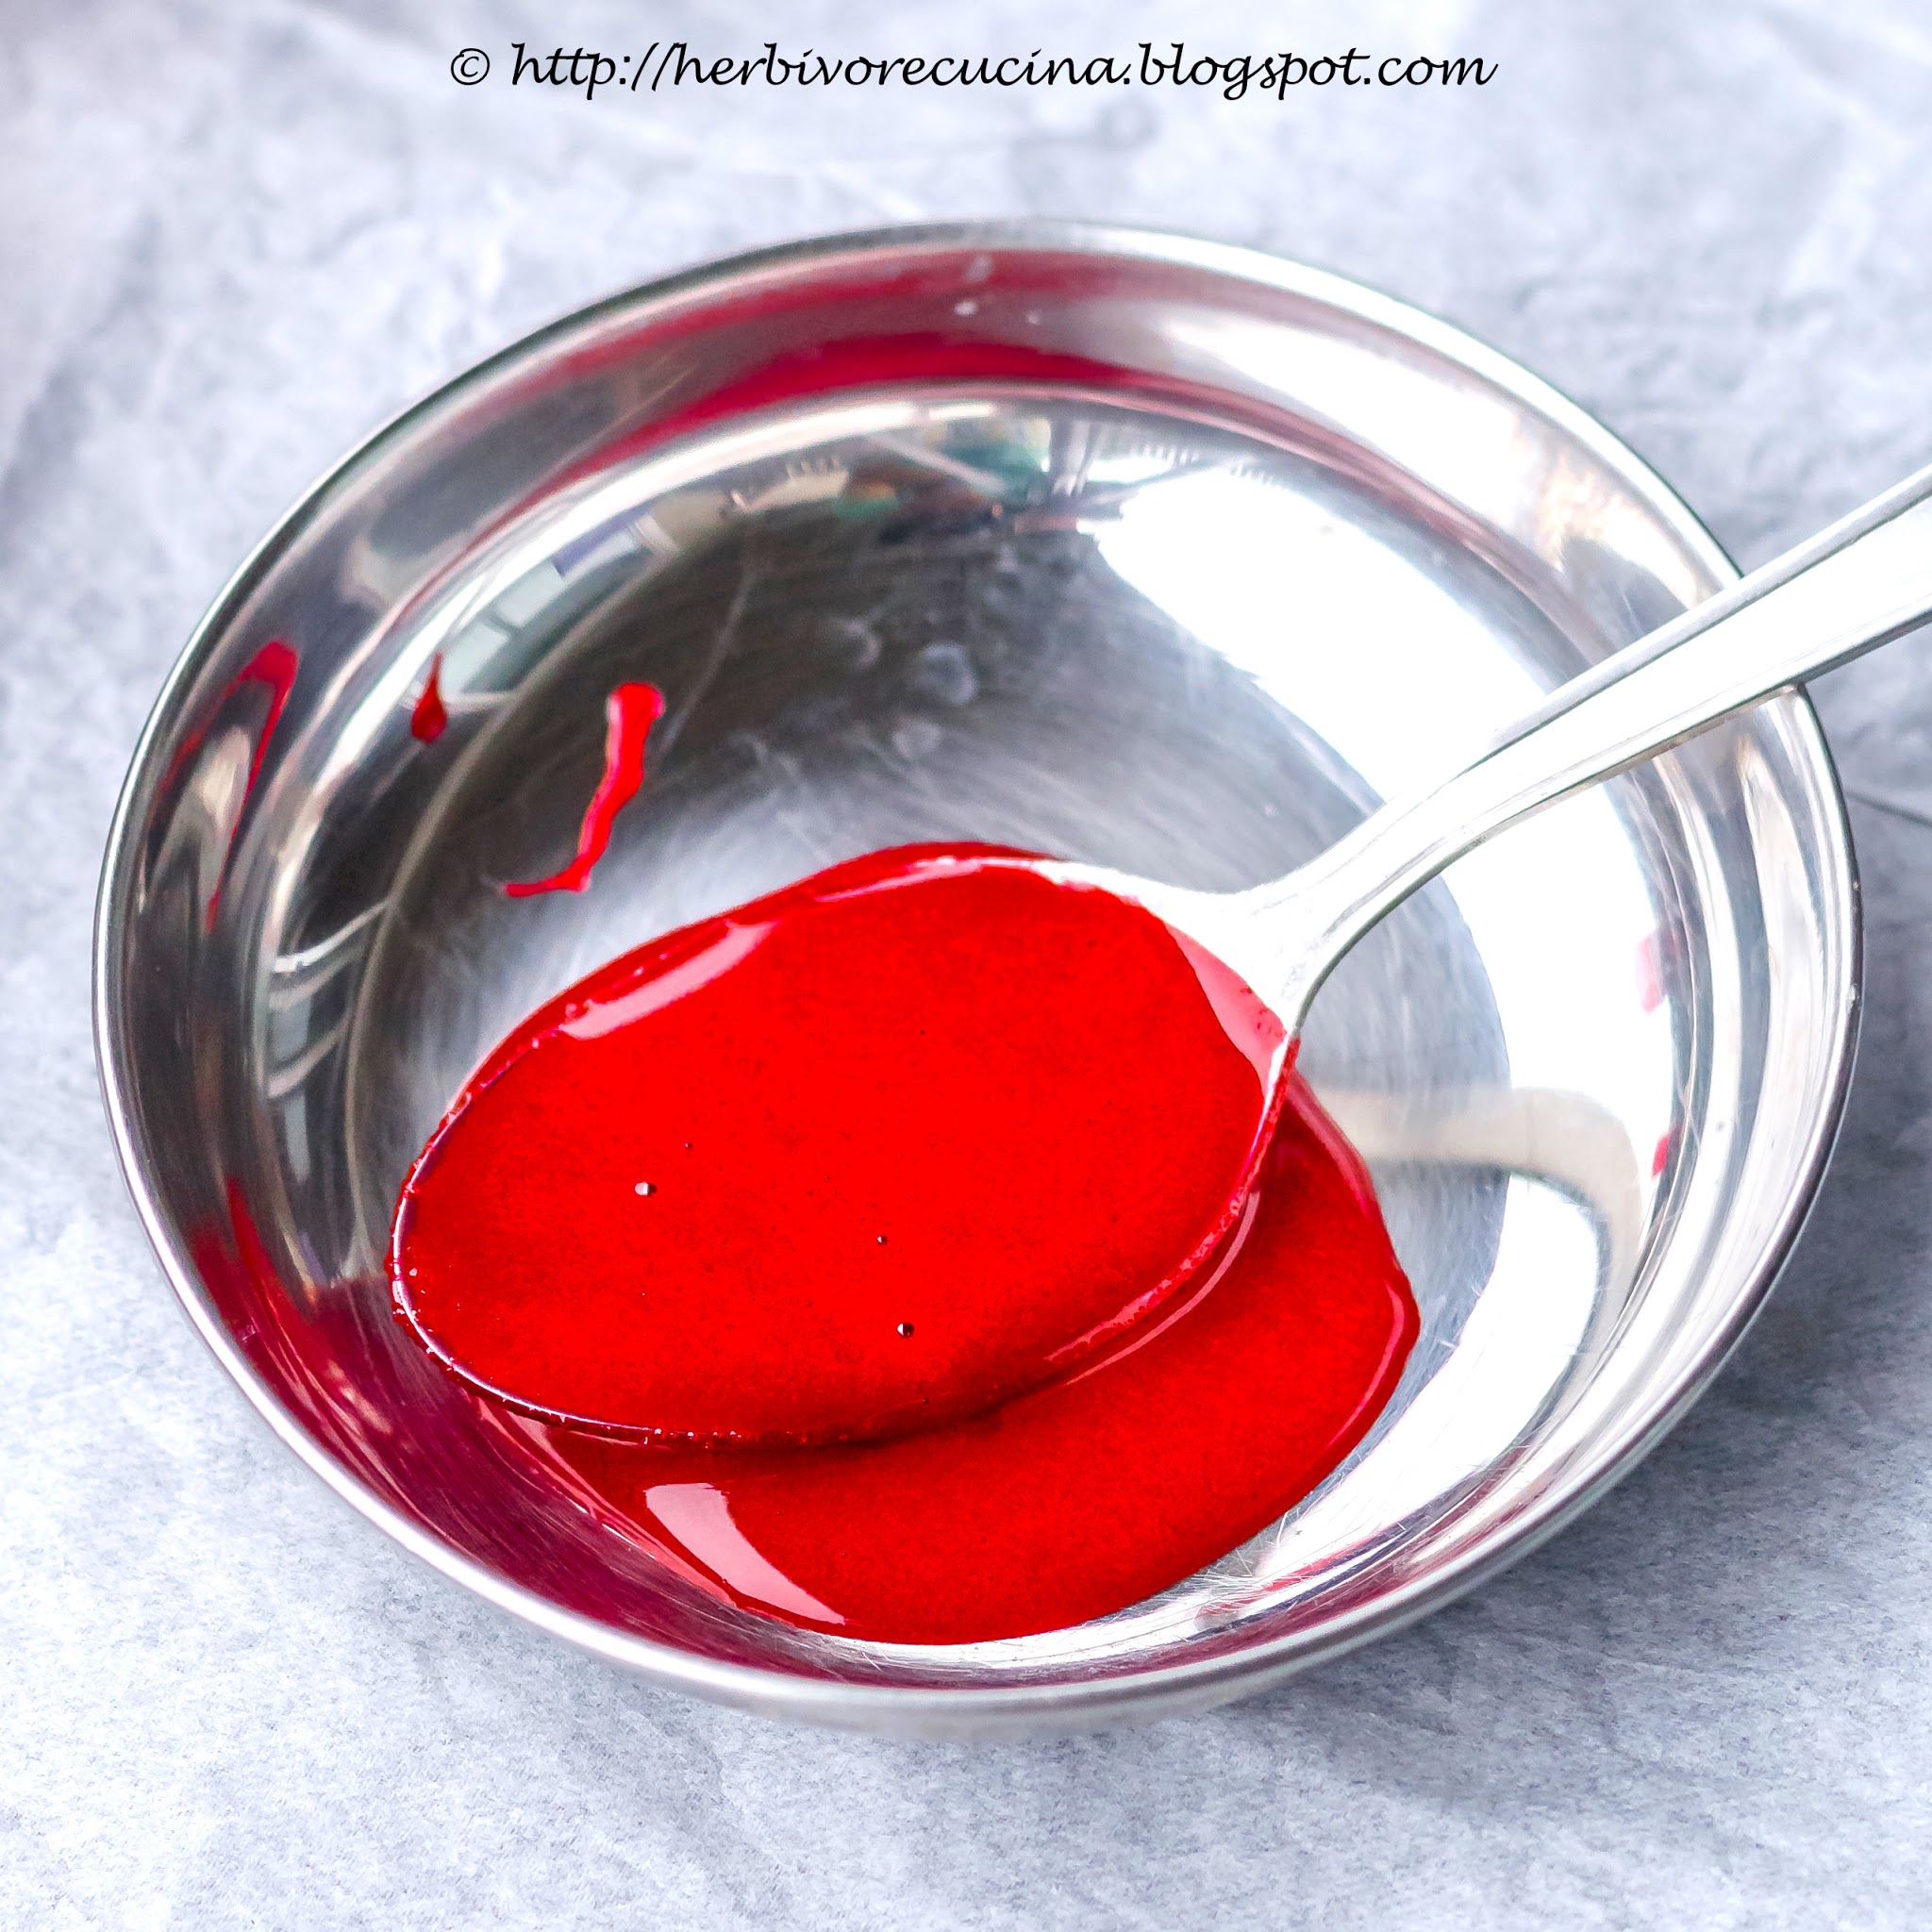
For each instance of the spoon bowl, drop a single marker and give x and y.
(984, 533)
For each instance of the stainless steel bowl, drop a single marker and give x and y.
(1143, 551)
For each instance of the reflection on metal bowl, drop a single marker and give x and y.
(1145, 551)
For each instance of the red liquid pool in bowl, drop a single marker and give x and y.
(895, 1236)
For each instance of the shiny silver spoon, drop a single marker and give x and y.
(1861, 583)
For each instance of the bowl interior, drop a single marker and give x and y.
(1184, 587)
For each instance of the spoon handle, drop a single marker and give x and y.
(1863, 582)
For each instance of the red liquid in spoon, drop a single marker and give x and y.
(874, 1152)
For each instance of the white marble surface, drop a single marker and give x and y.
(232, 237)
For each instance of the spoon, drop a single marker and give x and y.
(1863, 582)
(561, 1246)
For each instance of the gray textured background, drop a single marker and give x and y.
(232, 238)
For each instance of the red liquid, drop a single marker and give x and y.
(1086, 1497)
(428, 716)
(273, 668)
(1039, 1095)
(878, 1151)
(631, 710)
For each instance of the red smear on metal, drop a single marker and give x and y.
(632, 709)
(430, 717)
